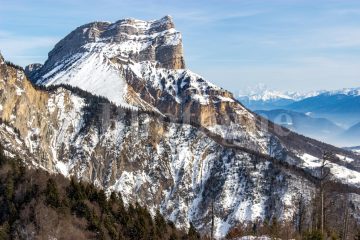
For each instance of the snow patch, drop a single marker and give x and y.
(62, 168)
(344, 158)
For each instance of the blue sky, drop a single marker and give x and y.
(286, 45)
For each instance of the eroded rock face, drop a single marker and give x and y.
(155, 41)
(140, 65)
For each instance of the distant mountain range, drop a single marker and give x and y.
(355, 149)
(331, 116)
(262, 98)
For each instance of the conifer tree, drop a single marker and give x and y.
(52, 194)
(192, 233)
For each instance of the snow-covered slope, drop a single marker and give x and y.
(140, 65)
(93, 56)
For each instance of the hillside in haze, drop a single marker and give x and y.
(337, 108)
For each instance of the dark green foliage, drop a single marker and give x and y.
(10, 64)
(160, 224)
(357, 235)
(193, 234)
(4, 231)
(314, 235)
(52, 194)
(36, 205)
(101, 199)
(2, 157)
(274, 228)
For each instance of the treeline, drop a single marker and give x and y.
(37, 205)
(10, 64)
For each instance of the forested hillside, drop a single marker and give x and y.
(37, 205)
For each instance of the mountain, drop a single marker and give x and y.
(341, 106)
(114, 105)
(356, 149)
(97, 50)
(340, 101)
(318, 128)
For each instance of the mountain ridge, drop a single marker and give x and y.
(337, 106)
(266, 99)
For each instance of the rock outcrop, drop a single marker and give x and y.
(137, 40)
(32, 69)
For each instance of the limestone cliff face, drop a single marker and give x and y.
(140, 64)
(155, 41)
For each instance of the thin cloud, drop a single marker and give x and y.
(346, 11)
(21, 48)
(211, 17)
(335, 37)
(316, 38)
(307, 73)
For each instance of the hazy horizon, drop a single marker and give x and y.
(286, 45)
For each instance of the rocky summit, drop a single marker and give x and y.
(114, 105)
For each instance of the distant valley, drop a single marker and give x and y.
(329, 116)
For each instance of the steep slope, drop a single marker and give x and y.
(172, 140)
(96, 50)
(140, 65)
(150, 83)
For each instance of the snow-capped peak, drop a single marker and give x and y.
(345, 91)
(93, 56)
(262, 93)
